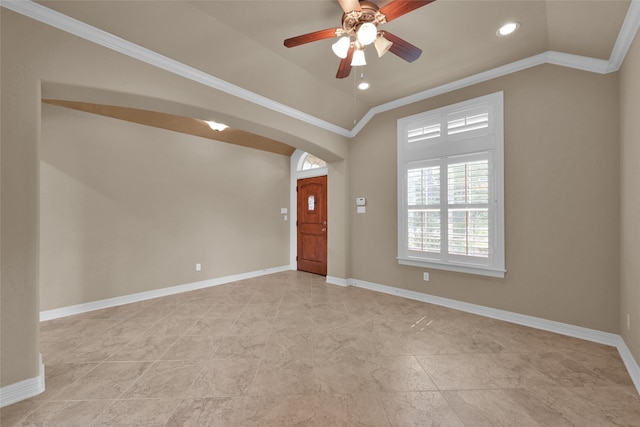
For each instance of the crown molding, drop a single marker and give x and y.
(73, 26)
(626, 36)
(85, 31)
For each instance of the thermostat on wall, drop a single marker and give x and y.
(361, 201)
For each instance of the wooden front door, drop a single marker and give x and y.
(312, 225)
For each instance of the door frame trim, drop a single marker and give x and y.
(293, 201)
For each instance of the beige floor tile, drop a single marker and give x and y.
(210, 412)
(279, 411)
(11, 415)
(483, 371)
(214, 293)
(108, 380)
(171, 326)
(96, 349)
(225, 377)
(79, 413)
(293, 297)
(130, 327)
(261, 309)
(240, 294)
(349, 410)
(285, 376)
(224, 310)
(305, 352)
(165, 379)
(267, 296)
(190, 311)
(144, 348)
(248, 323)
(346, 343)
(419, 409)
(489, 408)
(193, 347)
(399, 373)
(288, 346)
(59, 376)
(581, 406)
(155, 310)
(292, 322)
(212, 326)
(343, 374)
(137, 413)
(241, 346)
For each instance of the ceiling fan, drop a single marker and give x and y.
(360, 22)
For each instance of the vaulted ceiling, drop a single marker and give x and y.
(241, 42)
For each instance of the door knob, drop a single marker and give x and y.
(324, 229)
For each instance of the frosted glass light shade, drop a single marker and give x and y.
(358, 58)
(341, 47)
(367, 33)
(382, 46)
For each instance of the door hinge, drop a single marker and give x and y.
(296, 257)
(296, 223)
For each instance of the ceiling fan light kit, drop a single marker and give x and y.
(382, 45)
(358, 58)
(360, 22)
(341, 47)
(367, 33)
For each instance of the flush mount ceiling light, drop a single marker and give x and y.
(216, 126)
(360, 22)
(508, 28)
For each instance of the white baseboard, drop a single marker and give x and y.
(24, 389)
(337, 281)
(156, 293)
(630, 362)
(587, 334)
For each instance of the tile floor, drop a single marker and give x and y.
(288, 349)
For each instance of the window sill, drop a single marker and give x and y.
(458, 268)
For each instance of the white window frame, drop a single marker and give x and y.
(443, 147)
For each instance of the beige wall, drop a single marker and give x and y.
(561, 198)
(36, 56)
(630, 198)
(126, 208)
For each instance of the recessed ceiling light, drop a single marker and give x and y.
(216, 126)
(508, 28)
(363, 85)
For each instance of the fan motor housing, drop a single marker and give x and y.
(369, 12)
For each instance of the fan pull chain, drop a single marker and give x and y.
(355, 108)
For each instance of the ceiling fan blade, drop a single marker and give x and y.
(344, 69)
(397, 8)
(349, 5)
(311, 37)
(402, 48)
